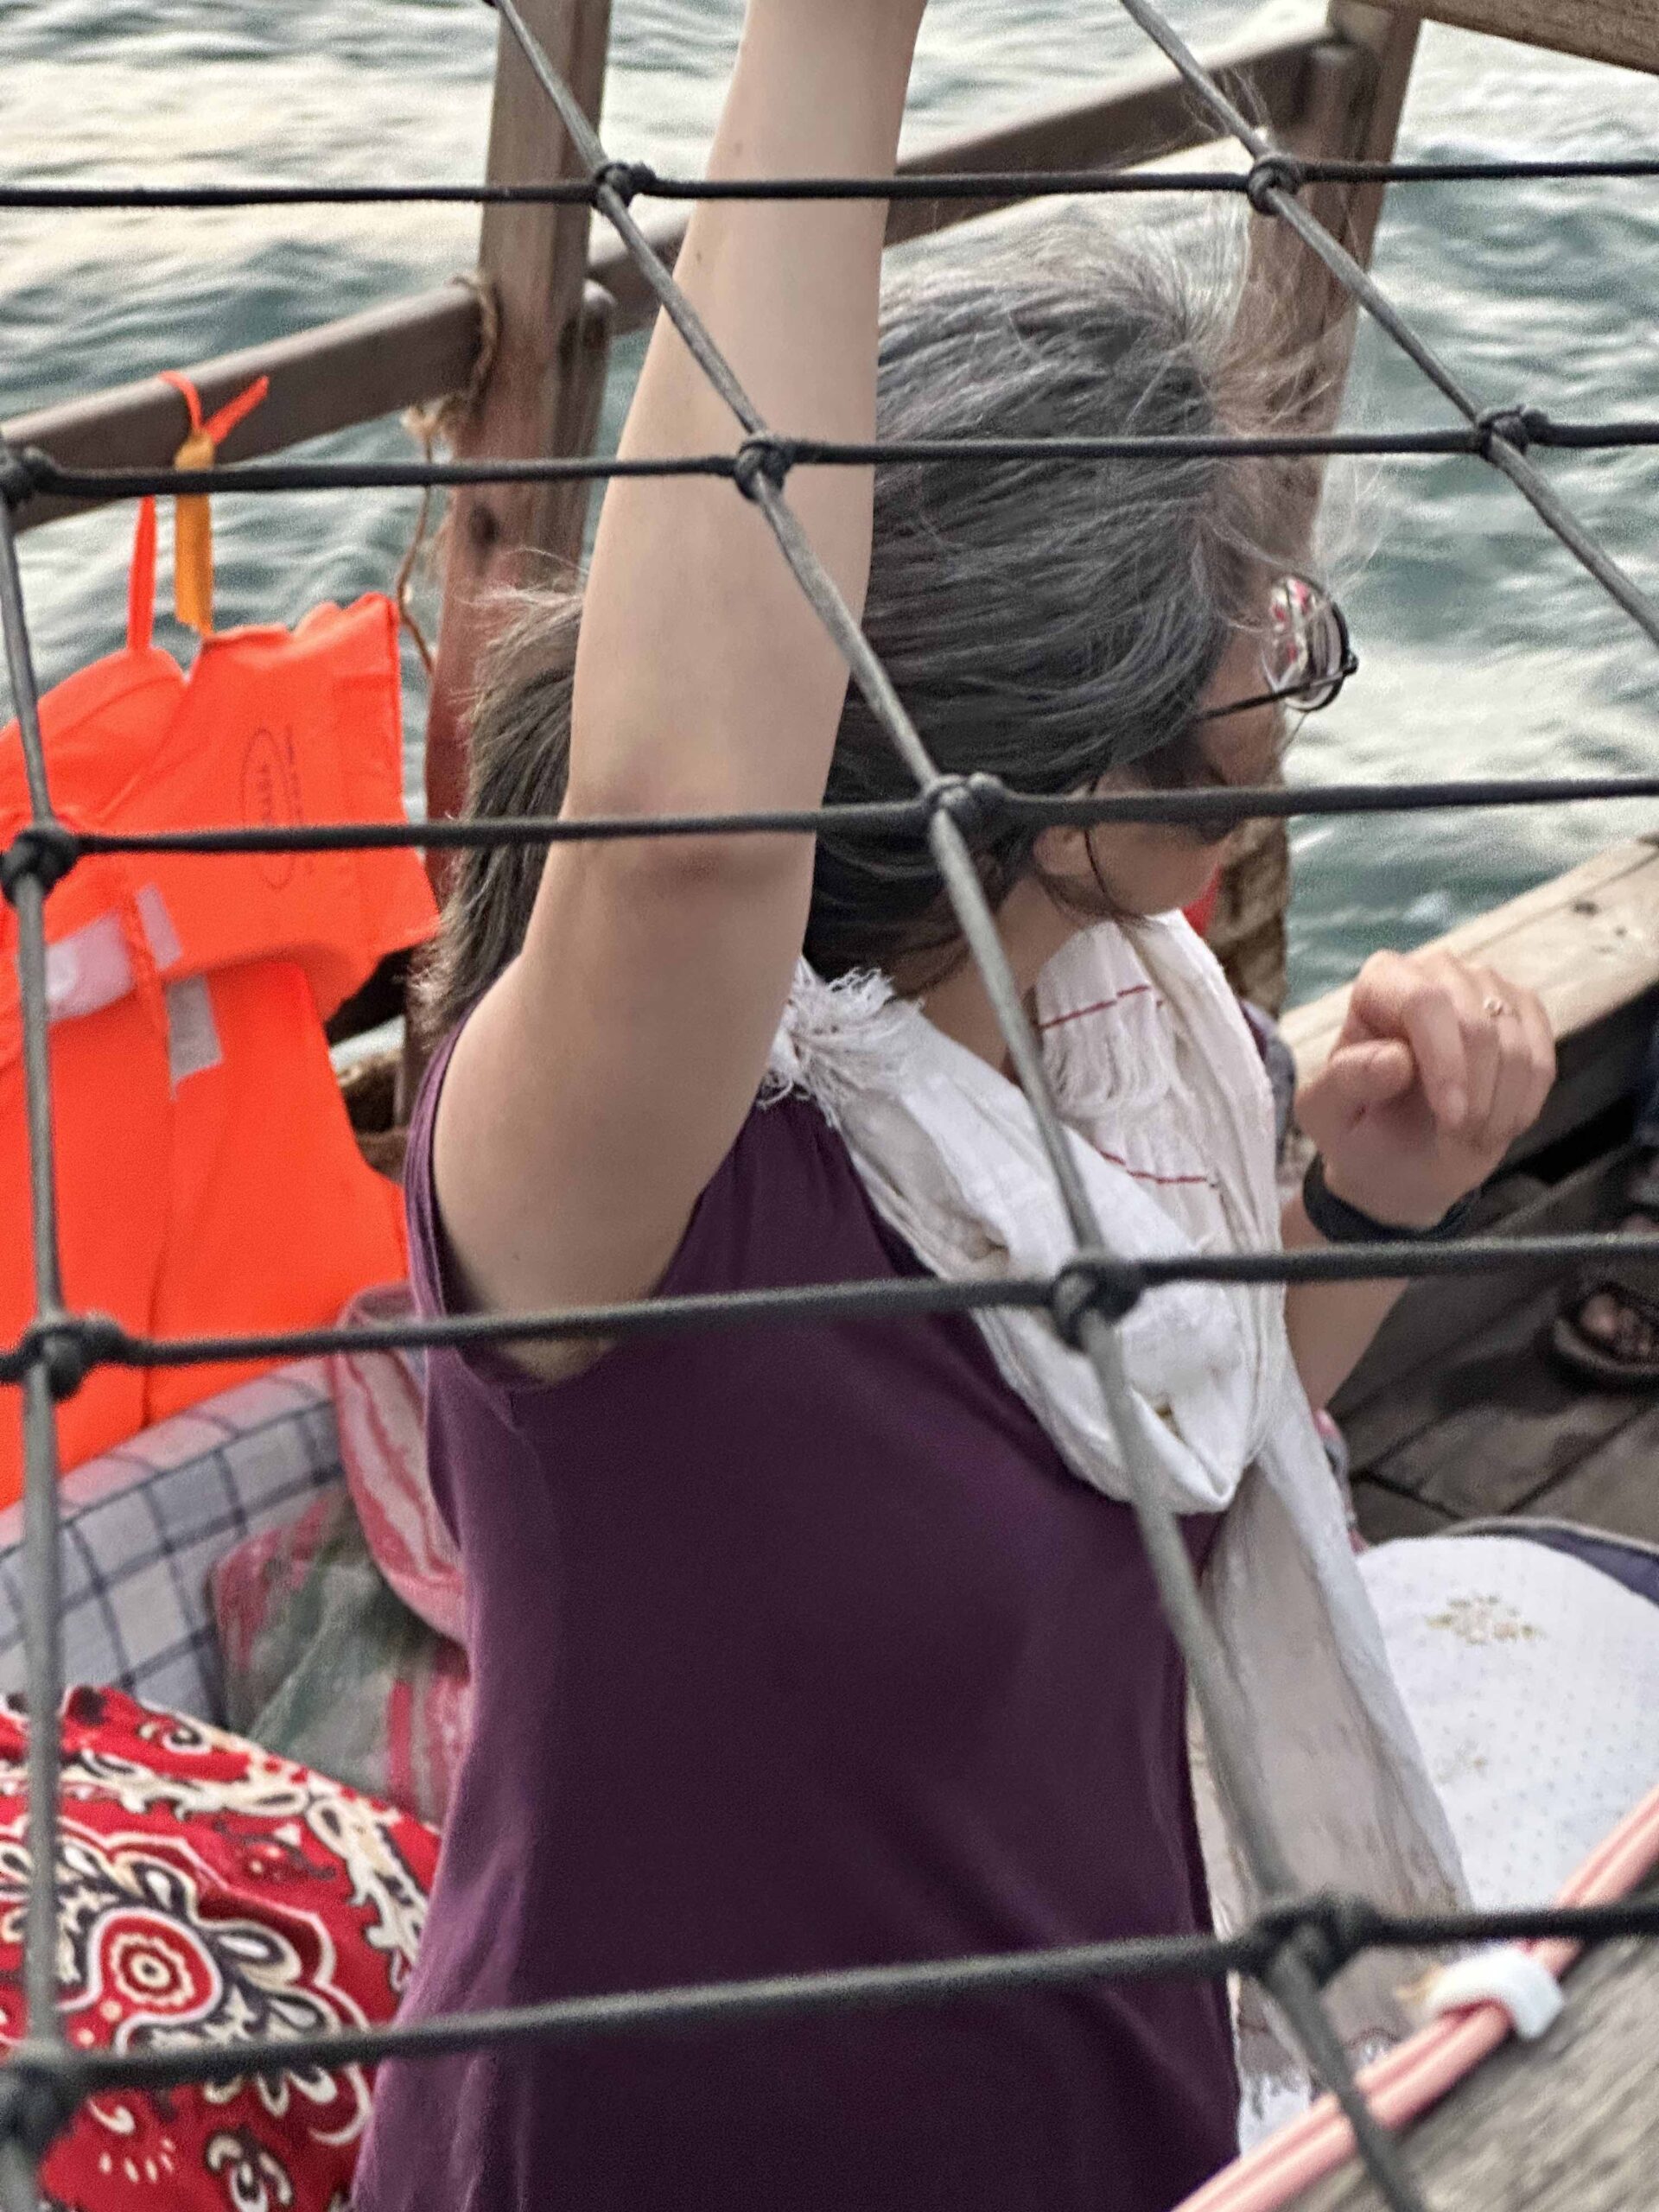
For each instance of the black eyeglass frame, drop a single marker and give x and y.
(1317, 692)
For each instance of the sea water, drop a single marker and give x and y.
(1484, 650)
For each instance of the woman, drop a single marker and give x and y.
(804, 1648)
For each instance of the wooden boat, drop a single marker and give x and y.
(1455, 1414)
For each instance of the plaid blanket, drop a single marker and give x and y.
(144, 1525)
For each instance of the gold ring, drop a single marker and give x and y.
(1496, 1007)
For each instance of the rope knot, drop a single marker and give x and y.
(67, 1347)
(972, 802)
(1321, 1932)
(23, 475)
(625, 179)
(759, 457)
(1093, 1282)
(1271, 173)
(43, 851)
(1516, 426)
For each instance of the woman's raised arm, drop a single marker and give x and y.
(600, 1083)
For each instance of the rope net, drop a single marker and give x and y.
(1299, 1942)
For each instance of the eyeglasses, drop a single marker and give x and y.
(1307, 655)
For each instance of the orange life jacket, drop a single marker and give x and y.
(208, 1180)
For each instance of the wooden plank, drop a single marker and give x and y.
(1392, 1395)
(1624, 31)
(1587, 942)
(545, 379)
(1596, 1068)
(1616, 1488)
(1410, 1420)
(1143, 113)
(1567, 2124)
(389, 358)
(1509, 1422)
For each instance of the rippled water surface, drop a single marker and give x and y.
(1484, 650)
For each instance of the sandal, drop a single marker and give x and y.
(1626, 1357)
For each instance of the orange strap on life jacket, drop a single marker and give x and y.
(193, 527)
(141, 582)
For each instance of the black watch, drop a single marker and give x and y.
(1340, 1223)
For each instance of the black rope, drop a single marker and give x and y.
(35, 473)
(1330, 1930)
(637, 179)
(71, 1346)
(49, 854)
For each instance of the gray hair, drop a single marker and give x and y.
(1048, 621)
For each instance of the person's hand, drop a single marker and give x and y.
(1439, 1068)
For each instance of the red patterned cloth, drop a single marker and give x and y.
(210, 1892)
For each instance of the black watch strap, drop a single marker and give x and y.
(1340, 1223)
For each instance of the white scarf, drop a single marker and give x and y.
(1169, 1119)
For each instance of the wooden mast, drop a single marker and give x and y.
(545, 376)
(1355, 90)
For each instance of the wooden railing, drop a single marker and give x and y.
(409, 351)
(1622, 31)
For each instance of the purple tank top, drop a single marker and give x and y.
(798, 1647)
